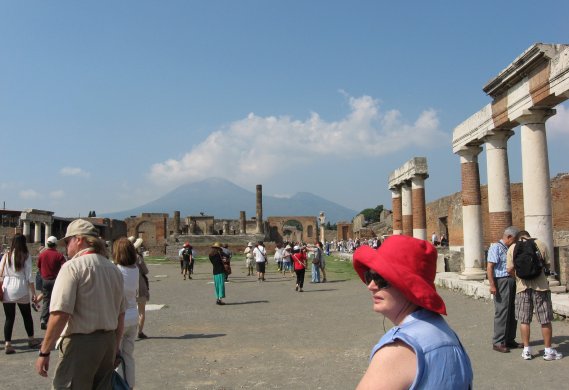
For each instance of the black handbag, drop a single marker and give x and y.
(118, 382)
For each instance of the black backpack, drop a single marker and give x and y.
(528, 262)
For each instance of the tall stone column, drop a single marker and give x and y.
(471, 214)
(242, 223)
(535, 172)
(37, 231)
(407, 209)
(47, 231)
(397, 211)
(225, 227)
(418, 206)
(176, 222)
(260, 229)
(26, 230)
(499, 195)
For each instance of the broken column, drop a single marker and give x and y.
(242, 223)
(260, 229)
(176, 222)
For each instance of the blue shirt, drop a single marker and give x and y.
(442, 362)
(497, 254)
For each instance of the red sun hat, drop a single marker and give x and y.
(186, 244)
(408, 264)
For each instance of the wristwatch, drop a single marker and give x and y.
(41, 354)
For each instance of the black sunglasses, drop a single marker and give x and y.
(381, 283)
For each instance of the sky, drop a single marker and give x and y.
(107, 105)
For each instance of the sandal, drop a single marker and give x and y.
(10, 350)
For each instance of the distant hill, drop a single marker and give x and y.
(223, 199)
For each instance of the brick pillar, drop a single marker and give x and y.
(499, 196)
(396, 206)
(260, 228)
(535, 172)
(407, 209)
(176, 222)
(419, 210)
(225, 227)
(242, 223)
(471, 214)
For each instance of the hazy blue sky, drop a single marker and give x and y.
(106, 105)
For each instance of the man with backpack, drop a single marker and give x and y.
(527, 260)
(503, 288)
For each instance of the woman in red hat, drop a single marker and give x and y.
(421, 351)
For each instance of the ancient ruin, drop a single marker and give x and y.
(523, 94)
(407, 186)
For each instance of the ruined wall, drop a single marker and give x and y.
(152, 228)
(450, 208)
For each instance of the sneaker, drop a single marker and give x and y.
(142, 336)
(553, 355)
(527, 355)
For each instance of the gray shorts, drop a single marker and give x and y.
(529, 299)
(261, 267)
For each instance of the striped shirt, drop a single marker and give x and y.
(497, 254)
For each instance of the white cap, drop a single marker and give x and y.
(51, 240)
(296, 248)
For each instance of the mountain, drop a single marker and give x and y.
(223, 199)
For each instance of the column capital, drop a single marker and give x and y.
(498, 138)
(535, 115)
(469, 153)
(395, 192)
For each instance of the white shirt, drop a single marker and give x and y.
(16, 284)
(260, 254)
(131, 280)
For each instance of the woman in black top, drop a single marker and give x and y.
(218, 272)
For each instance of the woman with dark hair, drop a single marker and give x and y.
(299, 260)
(124, 256)
(17, 284)
(143, 295)
(421, 351)
(215, 257)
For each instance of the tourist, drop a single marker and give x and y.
(444, 240)
(434, 239)
(322, 262)
(125, 257)
(18, 287)
(218, 272)
(249, 259)
(180, 257)
(328, 248)
(95, 320)
(287, 259)
(49, 263)
(315, 269)
(279, 256)
(226, 256)
(187, 259)
(421, 350)
(532, 293)
(503, 288)
(143, 293)
(260, 254)
(299, 261)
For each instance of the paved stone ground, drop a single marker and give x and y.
(269, 337)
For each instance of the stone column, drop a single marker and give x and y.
(260, 229)
(471, 214)
(26, 230)
(407, 209)
(176, 222)
(242, 223)
(535, 172)
(322, 221)
(225, 225)
(396, 206)
(499, 196)
(37, 231)
(47, 231)
(418, 206)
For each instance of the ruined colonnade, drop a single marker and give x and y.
(38, 218)
(524, 95)
(407, 186)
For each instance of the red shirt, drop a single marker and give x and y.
(49, 263)
(299, 260)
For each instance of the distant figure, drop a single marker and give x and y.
(249, 259)
(218, 272)
(533, 293)
(328, 248)
(435, 239)
(322, 262)
(444, 241)
(226, 256)
(299, 261)
(260, 254)
(287, 259)
(315, 269)
(143, 294)
(421, 351)
(187, 260)
(49, 263)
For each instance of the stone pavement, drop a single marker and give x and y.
(269, 337)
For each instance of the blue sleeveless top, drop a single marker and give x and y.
(442, 362)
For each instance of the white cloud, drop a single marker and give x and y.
(261, 147)
(72, 171)
(558, 125)
(29, 194)
(56, 194)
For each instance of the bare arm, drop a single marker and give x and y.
(55, 325)
(392, 367)
(490, 274)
